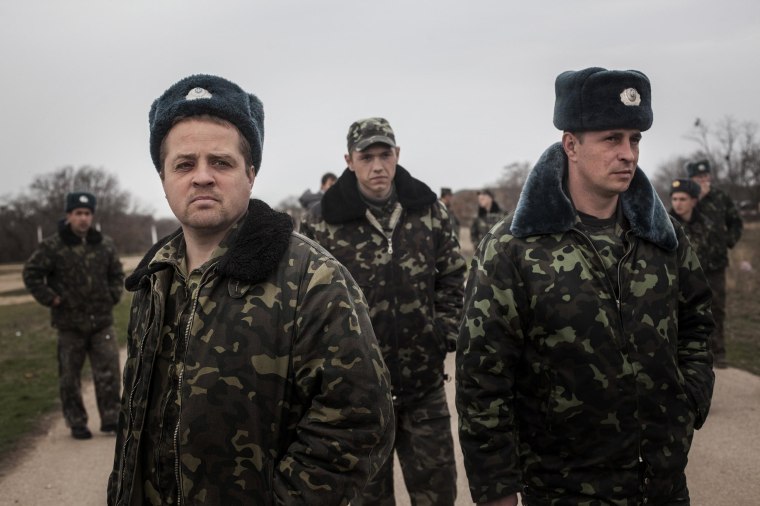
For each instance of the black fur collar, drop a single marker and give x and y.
(342, 203)
(544, 208)
(71, 239)
(256, 251)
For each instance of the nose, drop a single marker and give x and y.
(203, 174)
(627, 151)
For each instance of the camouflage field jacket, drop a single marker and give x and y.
(707, 239)
(563, 391)
(86, 275)
(284, 398)
(718, 207)
(413, 281)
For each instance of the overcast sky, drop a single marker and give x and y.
(468, 86)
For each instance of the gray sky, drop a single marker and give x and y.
(468, 86)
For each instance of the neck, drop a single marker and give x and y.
(592, 204)
(687, 216)
(200, 247)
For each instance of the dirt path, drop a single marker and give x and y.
(724, 461)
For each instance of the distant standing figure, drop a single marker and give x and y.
(78, 275)
(718, 207)
(309, 199)
(489, 213)
(446, 196)
(391, 232)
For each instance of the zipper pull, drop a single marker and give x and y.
(390, 246)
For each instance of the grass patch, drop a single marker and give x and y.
(29, 368)
(742, 303)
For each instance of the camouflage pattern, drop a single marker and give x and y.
(408, 263)
(483, 223)
(425, 451)
(87, 276)
(102, 348)
(365, 132)
(717, 282)
(721, 213)
(282, 395)
(573, 387)
(413, 281)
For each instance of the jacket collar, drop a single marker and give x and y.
(255, 252)
(71, 239)
(544, 208)
(342, 203)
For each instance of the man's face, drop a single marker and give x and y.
(704, 181)
(204, 176)
(80, 220)
(375, 168)
(605, 161)
(485, 201)
(328, 183)
(683, 204)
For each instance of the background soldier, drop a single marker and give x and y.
(583, 365)
(309, 199)
(395, 237)
(717, 206)
(446, 196)
(489, 213)
(253, 374)
(77, 274)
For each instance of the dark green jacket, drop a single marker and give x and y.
(718, 207)
(563, 391)
(285, 398)
(707, 239)
(86, 275)
(413, 282)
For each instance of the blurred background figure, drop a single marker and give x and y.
(308, 199)
(489, 213)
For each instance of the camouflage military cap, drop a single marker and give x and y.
(697, 168)
(366, 132)
(686, 186)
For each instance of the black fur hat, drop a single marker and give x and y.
(75, 200)
(686, 186)
(698, 167)
(205, 94)
(595, 99)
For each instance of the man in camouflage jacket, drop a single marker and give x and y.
(718, 208)
(253, 375)
(489, 213)
(396, 239)
(583, 365)
(78, 275)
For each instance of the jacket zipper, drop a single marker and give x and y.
(395, 217)
(179, 384)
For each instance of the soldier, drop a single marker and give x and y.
(253, 374)
(583, 364)
(77, 274)
(395, 237)
(718, 207)
(446, 196)
(309, 199)
(489, 213)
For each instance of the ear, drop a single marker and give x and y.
(251, 177)
(398, 152)
(570, 145)
(350, 165)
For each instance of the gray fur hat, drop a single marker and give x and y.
(596, 99)
(205, 94)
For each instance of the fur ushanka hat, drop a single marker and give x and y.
(596, 99)
(205, 94)
(697, 168)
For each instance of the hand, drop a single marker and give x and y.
(510, 500)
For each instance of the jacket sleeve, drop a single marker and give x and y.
(449, 279)
(490, 344)
(734, 224)
(36, 270)
(695, 324)
(347, 431)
